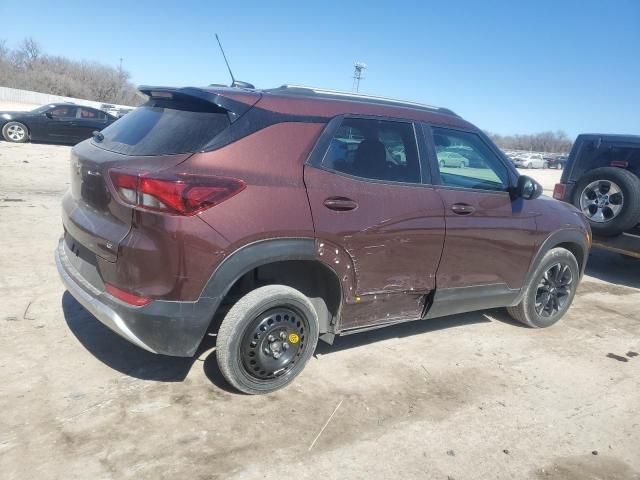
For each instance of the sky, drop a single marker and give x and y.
(507, 66)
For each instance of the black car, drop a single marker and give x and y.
(556, 161)
(602, 179)
(54, 122)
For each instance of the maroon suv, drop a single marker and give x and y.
(297, 214)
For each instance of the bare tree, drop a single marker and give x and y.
(27, 67)
(31, 49)
(552, 142)
(26, 54)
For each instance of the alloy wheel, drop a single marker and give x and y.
(16, 133)
(553, 290)
(273, 343)
(601, 201)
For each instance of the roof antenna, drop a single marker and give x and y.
(234, 82)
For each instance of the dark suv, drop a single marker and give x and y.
(602, 178)
(297, 214)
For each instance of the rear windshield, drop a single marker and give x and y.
(163, 127)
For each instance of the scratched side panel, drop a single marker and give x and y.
(393, 241)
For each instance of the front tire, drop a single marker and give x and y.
(15, 132)
(266, 339)
(550, 291)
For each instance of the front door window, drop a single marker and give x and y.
(465, 161)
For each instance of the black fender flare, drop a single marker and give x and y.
(575, 236)
(259, 253)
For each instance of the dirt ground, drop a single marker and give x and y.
(471, 396)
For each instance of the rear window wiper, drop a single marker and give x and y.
(97, 136)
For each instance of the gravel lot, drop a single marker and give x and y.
(465, 397)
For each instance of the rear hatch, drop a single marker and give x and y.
(164, 132)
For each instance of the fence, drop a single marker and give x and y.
(15, 95)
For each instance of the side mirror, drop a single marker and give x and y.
(49, 115)
(528, 188)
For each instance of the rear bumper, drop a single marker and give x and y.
(165, 327)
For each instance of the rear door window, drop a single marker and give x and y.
(89, 114)
(165, 127)
(375, 149)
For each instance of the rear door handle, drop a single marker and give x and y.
(340, 204)
(462, 209)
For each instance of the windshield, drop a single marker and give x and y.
(42, 109)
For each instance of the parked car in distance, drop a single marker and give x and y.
(531, 160)
(601, 178)
(274, 218)
(556, 161)
(451, 159)
(123, 111)
(54, 122)
(110, 109)
(114, 110)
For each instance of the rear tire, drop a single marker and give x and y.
(266, 339)
(15, 132)
(549, 293)
(619, 212)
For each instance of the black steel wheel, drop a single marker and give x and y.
(266, 339)
(549, 291)
(273, 342)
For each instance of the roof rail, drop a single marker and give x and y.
(326, 92)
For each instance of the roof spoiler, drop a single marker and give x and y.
(234, 100)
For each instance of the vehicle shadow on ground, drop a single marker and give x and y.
(399, 330)
(118, 353)
(614, 268)
(408, 329)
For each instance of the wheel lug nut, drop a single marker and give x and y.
(267, 350)
(283, 335)
(271, 338)
(285, 346)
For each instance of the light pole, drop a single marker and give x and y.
(357, 75)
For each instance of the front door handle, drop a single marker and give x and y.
(462, 209)
(340, 204)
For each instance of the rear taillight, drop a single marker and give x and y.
(127, 297)
(559, 190)
(619, 163)
(178, 194)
